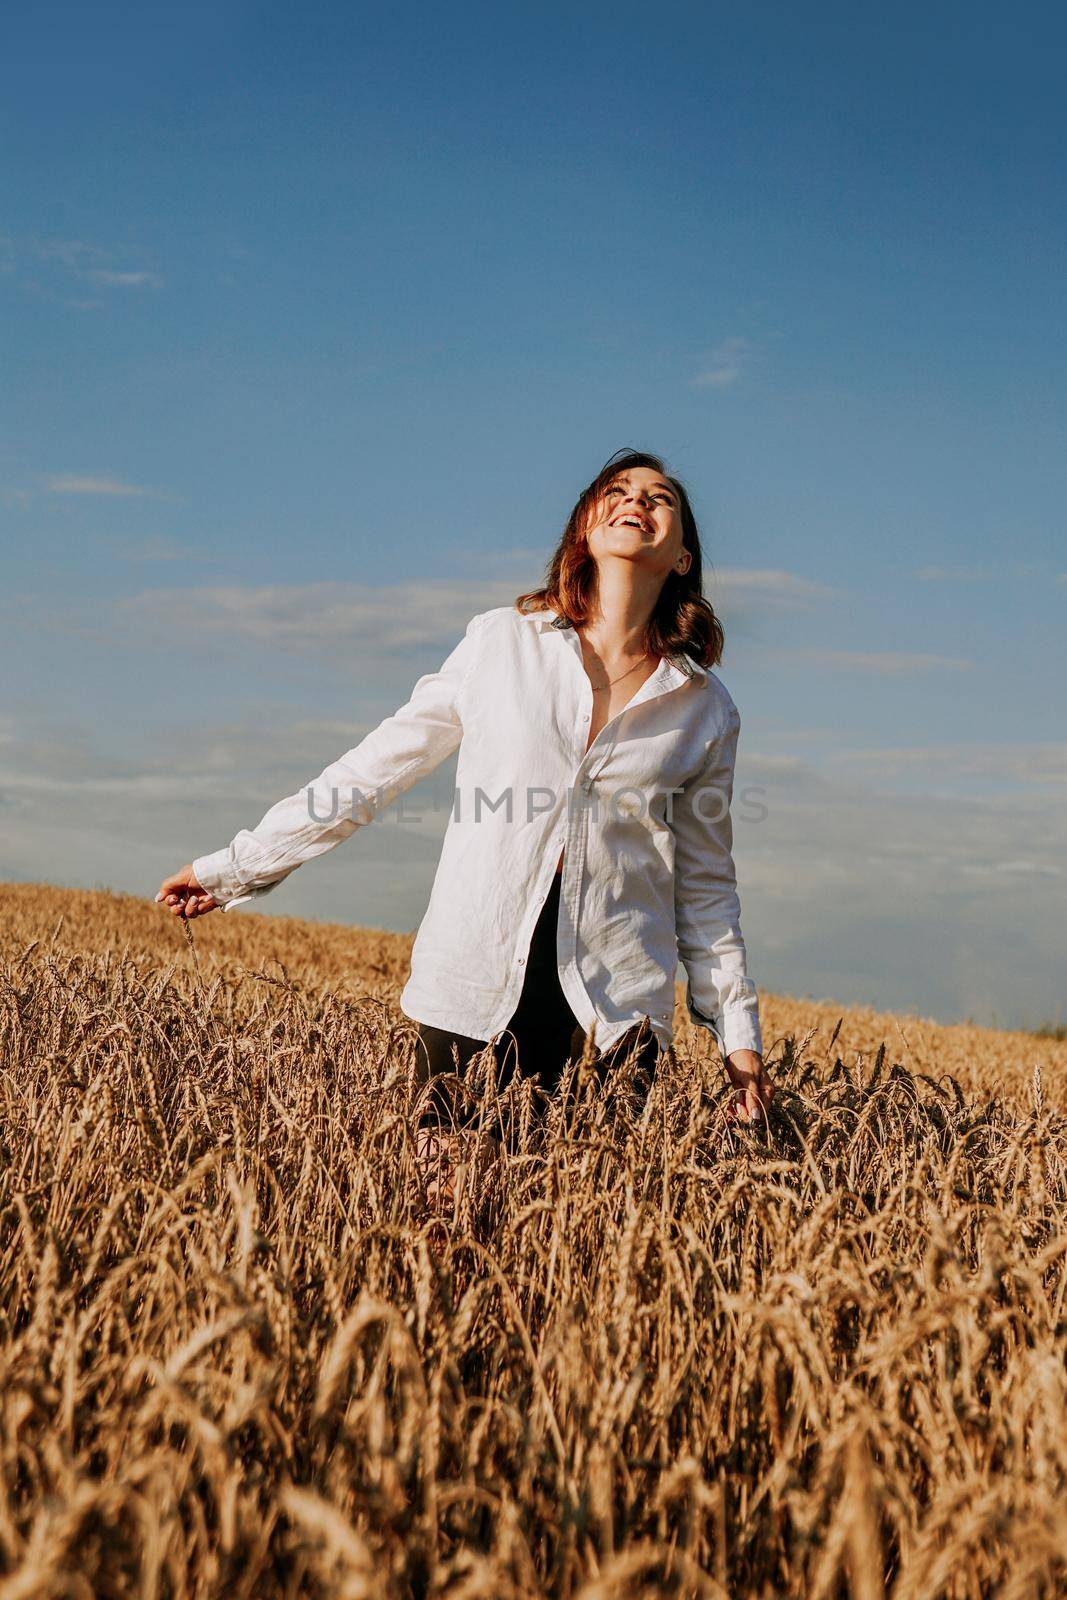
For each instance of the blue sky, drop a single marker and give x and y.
(315, 321)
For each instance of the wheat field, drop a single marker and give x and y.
(649, 1351)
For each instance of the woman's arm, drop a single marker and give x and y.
(720, 996)
(350, 792)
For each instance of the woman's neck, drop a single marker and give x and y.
(617, 628)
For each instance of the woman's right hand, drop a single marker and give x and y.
(184, 895)
(747, 1073)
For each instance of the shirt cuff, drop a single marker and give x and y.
(741, 1031)
(738, 1027)
(216, 876)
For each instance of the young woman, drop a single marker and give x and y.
(590, 840)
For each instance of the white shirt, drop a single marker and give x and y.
(642, 819)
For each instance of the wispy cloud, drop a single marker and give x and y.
(954, 574)
(73, 253)
(1025, 761)
(981, 574)
(981, 872)
(153, 547)
(401, 616)
(360, 620)
(770, 586)
(357, 619)
(526, 562)
(1028, 869)
(883, 663)
(54, 267)
(125, 280)
(72, 483)
(725, 365)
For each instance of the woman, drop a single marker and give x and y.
(590, 842)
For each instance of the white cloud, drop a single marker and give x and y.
(883, 663)
(770, 586)
(846, 889)
(1029, 869)
(71, 483)
(71, 812)
(1043, 762)
(133, 786)
(73, 253)
(153, 547)
(725, 365)
(360, 621)
(948, 905)
(758, 770)
(364, 617)
(48, 265)
(777, 764)
(526, 562)
(359, 618)
(986, 574)
(954, 574)
(125, 280)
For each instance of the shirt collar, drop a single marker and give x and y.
(680, 661)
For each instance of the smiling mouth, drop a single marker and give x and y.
(630, 521)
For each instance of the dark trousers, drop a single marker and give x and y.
(542, 1035)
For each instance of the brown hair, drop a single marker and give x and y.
(682, 621)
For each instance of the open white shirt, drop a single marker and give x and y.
(642, 818)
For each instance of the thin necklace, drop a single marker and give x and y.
(622, 675)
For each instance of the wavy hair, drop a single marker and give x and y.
(682, 619)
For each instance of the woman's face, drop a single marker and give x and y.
(638, 518)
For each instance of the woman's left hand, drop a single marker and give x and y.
(748, 1075)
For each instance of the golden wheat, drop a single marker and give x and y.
(650, 1352)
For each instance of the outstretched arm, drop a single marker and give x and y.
(347, 794)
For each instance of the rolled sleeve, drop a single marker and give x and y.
(720, 996)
